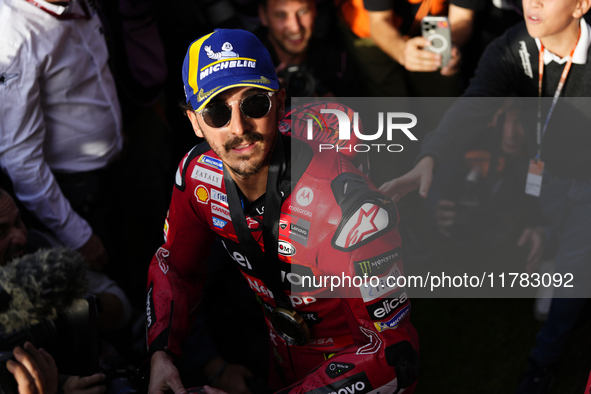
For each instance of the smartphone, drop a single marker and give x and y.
(436, 29)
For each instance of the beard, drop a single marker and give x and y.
(247, 165)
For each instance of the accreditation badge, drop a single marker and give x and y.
(533, 183)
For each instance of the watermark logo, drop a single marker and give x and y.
(392, 124)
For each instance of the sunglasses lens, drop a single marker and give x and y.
(217, 115)
(256, 106)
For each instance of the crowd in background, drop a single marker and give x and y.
(105, 190)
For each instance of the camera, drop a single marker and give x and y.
(121, 377)
(70, 338)
(299, 82)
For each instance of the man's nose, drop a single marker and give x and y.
(293, 23)
(239, 123)
(535, 3)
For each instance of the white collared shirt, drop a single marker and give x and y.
(58, 107)
(580, 55)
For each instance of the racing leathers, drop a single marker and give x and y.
(333, 223)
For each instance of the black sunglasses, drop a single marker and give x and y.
(218, 114)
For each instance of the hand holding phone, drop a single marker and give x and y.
(436, 29)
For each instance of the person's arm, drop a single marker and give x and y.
(408, 53)
(461, 21)
(494, 79)
(22, 136)
(176, 278)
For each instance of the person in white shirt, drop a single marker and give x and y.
(59, 112)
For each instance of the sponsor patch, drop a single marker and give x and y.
(312, 319)
(166, 227)
(394, 321)
(319, 342)
(385, 286)
(226, 58)
(294, 228)
(259, 287)
(207, 176)
(252, 223)
(221, 211)
(161, 256)
(337, 369)
(300, 210)
(375, 266)
(219, 223)
(285, 248)
(292, 277)
(305, 196)
(211, 162)
(356, 384)
(386, 307)
(238, 257)
(150, 315)
(220, 197)
(368, 221)
(202, 194)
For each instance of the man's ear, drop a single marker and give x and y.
(280, 104)
(192, 115)
(582, 8)
(263, 15)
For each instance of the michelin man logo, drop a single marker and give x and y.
(226, 52)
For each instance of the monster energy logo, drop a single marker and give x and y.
(377, 265)
(365, 267)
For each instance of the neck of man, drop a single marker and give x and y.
(253, 186)
(561, 44)
(287, 58)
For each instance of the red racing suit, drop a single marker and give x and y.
(333, 222)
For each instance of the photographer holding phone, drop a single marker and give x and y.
(386, 44)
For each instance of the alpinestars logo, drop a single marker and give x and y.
(368, 223)
(305, 196)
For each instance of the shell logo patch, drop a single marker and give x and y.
(202, 194)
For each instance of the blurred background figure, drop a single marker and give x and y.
(309, 64)
(61, 123)
(383, 37)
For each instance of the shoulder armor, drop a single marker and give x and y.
(366, 213)
(179, 179)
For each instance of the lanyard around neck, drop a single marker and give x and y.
(265, 264)
(542, 130)
(86, 14)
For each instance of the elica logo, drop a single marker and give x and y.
(388, 306)
(345, 131)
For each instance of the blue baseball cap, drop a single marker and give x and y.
(225, 59)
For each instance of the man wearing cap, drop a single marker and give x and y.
(284, 213)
